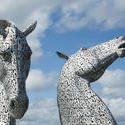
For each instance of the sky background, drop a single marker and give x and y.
(66, 26)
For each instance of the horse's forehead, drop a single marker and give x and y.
(86, 56)
(83, 53)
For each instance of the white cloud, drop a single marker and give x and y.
(43, 112)
(95, 14)
(73, 14)
(113, 82)
(37, 80)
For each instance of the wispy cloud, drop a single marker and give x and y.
(95, 14)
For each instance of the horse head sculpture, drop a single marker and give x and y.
(15, 56)
(78, 103)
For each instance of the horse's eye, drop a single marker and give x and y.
(27, 55)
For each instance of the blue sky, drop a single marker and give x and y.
(67, 26)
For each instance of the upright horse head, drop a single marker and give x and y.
(15, 56)
(78, 103)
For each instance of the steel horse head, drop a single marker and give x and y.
(15, 56)
(78, 103)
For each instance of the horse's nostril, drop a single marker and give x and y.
(12, 104)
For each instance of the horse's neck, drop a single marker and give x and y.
(76, 97)
(95, 104)
(5, 118)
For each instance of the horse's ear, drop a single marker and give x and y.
(61, 55)
(30, 28)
